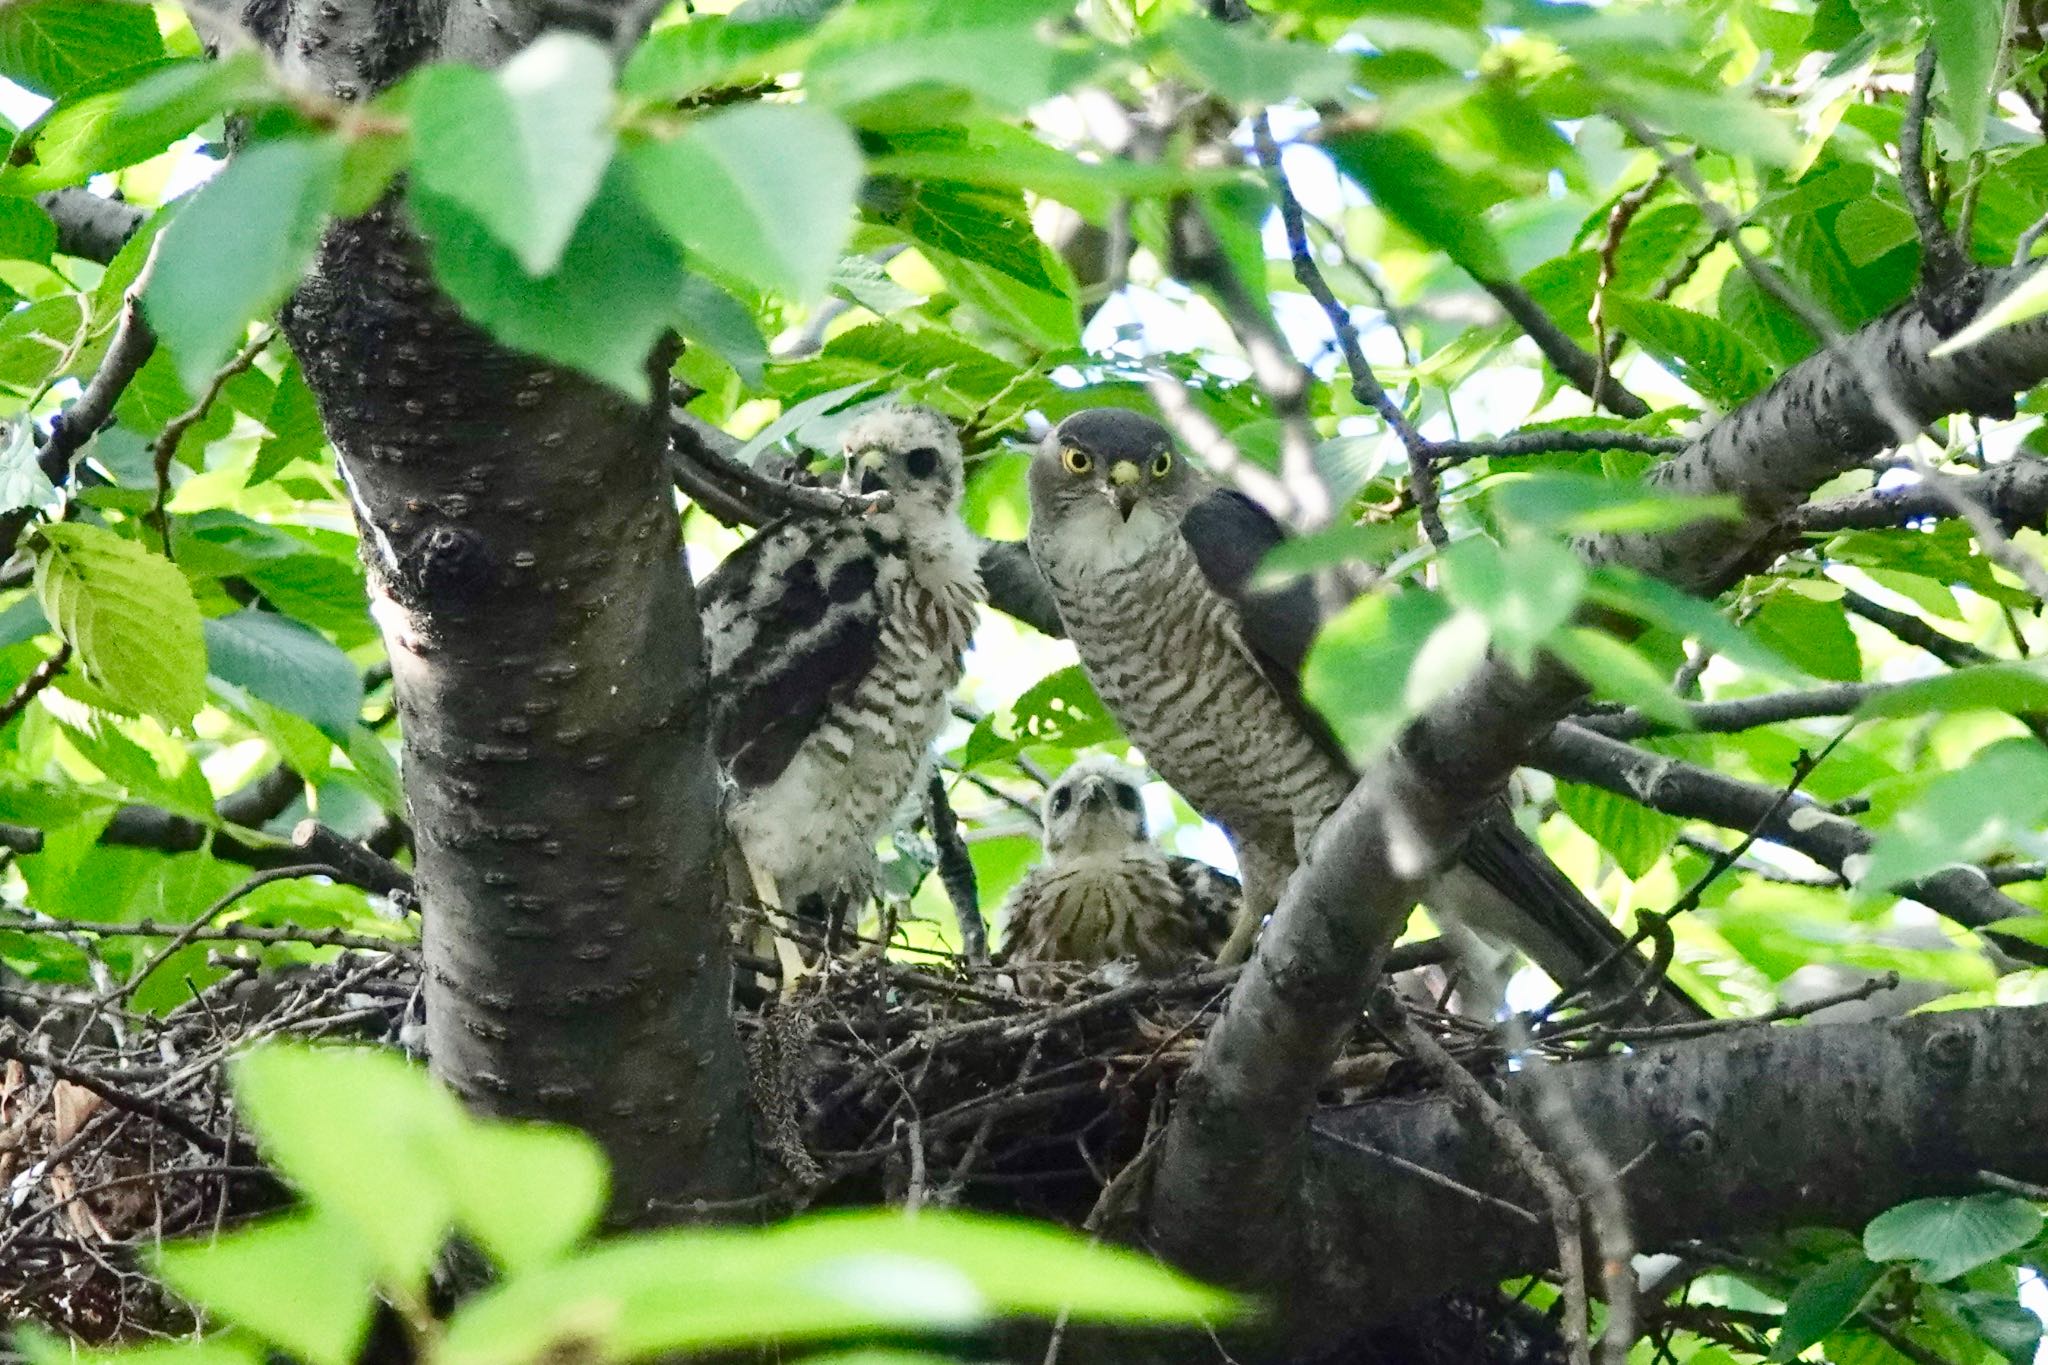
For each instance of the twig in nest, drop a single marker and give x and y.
(1561, 1203)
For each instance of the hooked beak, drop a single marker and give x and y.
(1123, 487)
(869, 465)
(1094, 795)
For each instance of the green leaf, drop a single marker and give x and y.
(127, 117)
(1059, 709)
(298, 1280)
(715, 320)
(1944, 1238)
(1825, 1299)
(318, 1110)
(1237, 63)
(1415, 188)
(1618, 673)
(55, 46)
(613, 295)
(1814, 635)
(237, 248)
(40, 1348)
(1525, 590)
(525, 1192)
(524, 148)
(1323, 549)
(969, 223)
(35, 340)
(1358, 669)
(22, 481)
(1585, 504)
(294, 425)
(709, 50)
(1988, 687)
(1633, 835)
(298, 670)
(1726, 120)
(887, 62)
(129, 617)
(1661, 605)
(2028, 300)
(1951, 821)
(2003, 1322)
(764, 192)
(1966, 39)
(1707, 354)
(26, 232)
(824, 1276)
(1868, 229)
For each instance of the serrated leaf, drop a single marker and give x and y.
(614, 293)
(54, 46)
(524, 148)
(1825, 1299)
(293, 668)
(325, 1314)
(764, 192)
(1415, 188)
(1632, 834)
(1707, 354)
(237, 248)
(1944, 1238)
(26, 232)
(129, 617)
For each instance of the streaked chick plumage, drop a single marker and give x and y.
(1105, 891)
(835, 643)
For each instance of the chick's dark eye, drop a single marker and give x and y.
(922, 462)
(1061, 800)
(1126, 796)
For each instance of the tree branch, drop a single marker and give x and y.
(1960, 893)
(2014, 493)
(1719, 1139)
(90, 226)
(1224, 1196)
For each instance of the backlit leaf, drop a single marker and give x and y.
(129, 617)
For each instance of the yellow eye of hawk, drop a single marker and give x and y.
(1076, 461)
(1161, 464)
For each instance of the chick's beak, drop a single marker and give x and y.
(870, 467)
(1123, 487)
(1094, 795)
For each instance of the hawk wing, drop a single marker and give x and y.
(1210, 900)
(791, 622)
(1229, 534)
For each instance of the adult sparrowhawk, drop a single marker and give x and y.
(1152, 567)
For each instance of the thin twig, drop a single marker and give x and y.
(1941, 260)
(120, 994)
(174, 430)
(45, 673)
(956, 870)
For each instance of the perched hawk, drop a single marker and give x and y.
(834, 644)
(1151, 566)
(1106, 891)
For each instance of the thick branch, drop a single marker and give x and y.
(1222, 1198)
(1721, 1138)
(2015, 493)
(90, 226)
(549, 676)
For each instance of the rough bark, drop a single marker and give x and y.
(547, 668)
(1756, 1132)
(1225, 1200)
